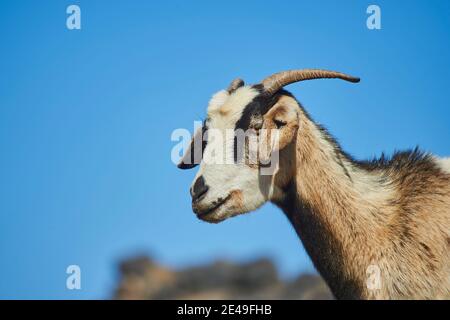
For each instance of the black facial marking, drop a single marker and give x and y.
(258, 107)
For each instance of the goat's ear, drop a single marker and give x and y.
(193, 155)
(280, 127)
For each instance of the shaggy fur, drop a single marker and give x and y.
(391, 214)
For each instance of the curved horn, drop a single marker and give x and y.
(236, 83)
(278, 80)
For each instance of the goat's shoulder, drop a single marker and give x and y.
(411, 169)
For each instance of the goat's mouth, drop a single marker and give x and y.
(211, 213)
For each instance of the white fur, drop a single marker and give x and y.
(218, 100)
(444, 163)
(233, 104)
(224, 110)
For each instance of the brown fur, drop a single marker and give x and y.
(350, 215)
(374, 230)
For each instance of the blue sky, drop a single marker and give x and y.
(86, 118)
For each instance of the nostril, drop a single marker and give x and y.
(199, 189)
(200, 195)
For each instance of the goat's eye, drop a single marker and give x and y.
(279, 123)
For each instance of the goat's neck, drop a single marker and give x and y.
(334, 207)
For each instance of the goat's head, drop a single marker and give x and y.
(230, 185)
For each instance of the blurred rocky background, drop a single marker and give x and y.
(144, 278)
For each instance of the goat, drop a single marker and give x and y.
(390, 216)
